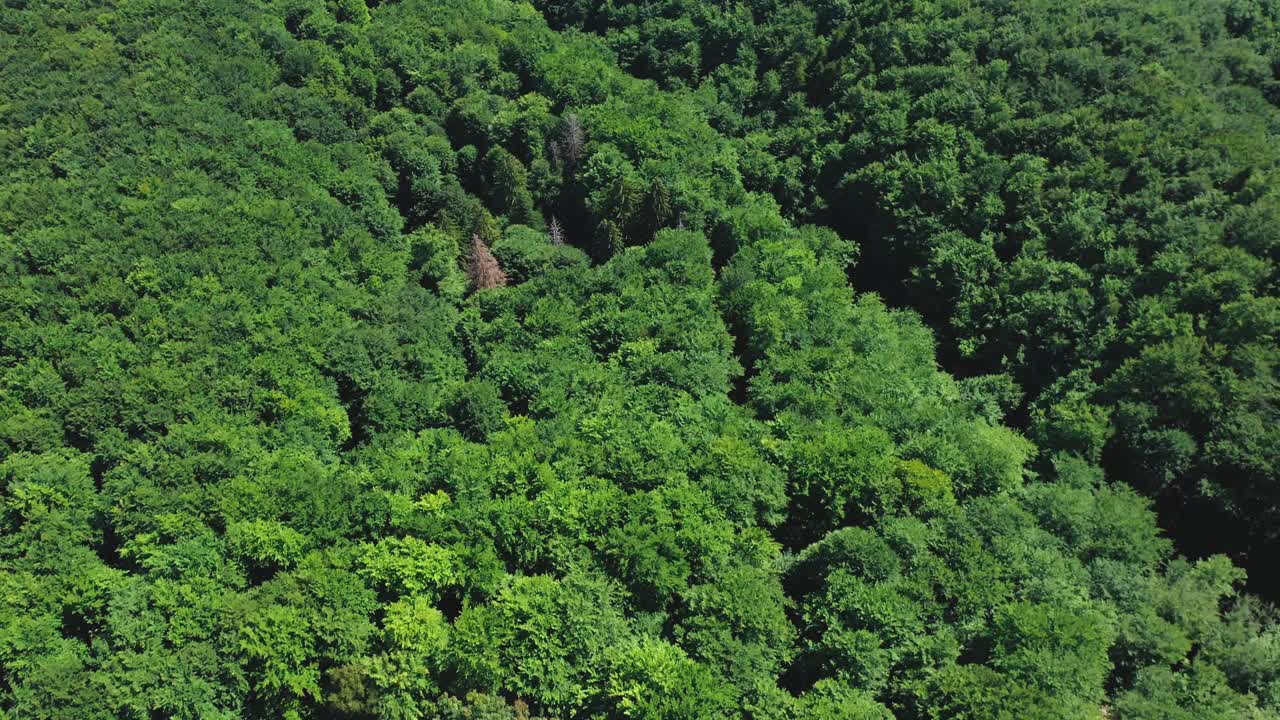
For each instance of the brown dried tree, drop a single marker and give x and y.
(482, 267)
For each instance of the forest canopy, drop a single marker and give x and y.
(1081, 200)
(640, 360)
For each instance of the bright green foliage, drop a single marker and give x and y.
(408, 566)
(654, 680)
(415, 636)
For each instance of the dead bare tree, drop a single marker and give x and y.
(567, 151)
(557, 232)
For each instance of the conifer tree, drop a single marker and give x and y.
(608, 241)
(657, 210)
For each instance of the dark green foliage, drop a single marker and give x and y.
(1080, 197)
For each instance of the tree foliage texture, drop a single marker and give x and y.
(413, 360)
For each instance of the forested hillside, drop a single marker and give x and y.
(1082, 199)
(416, 359)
